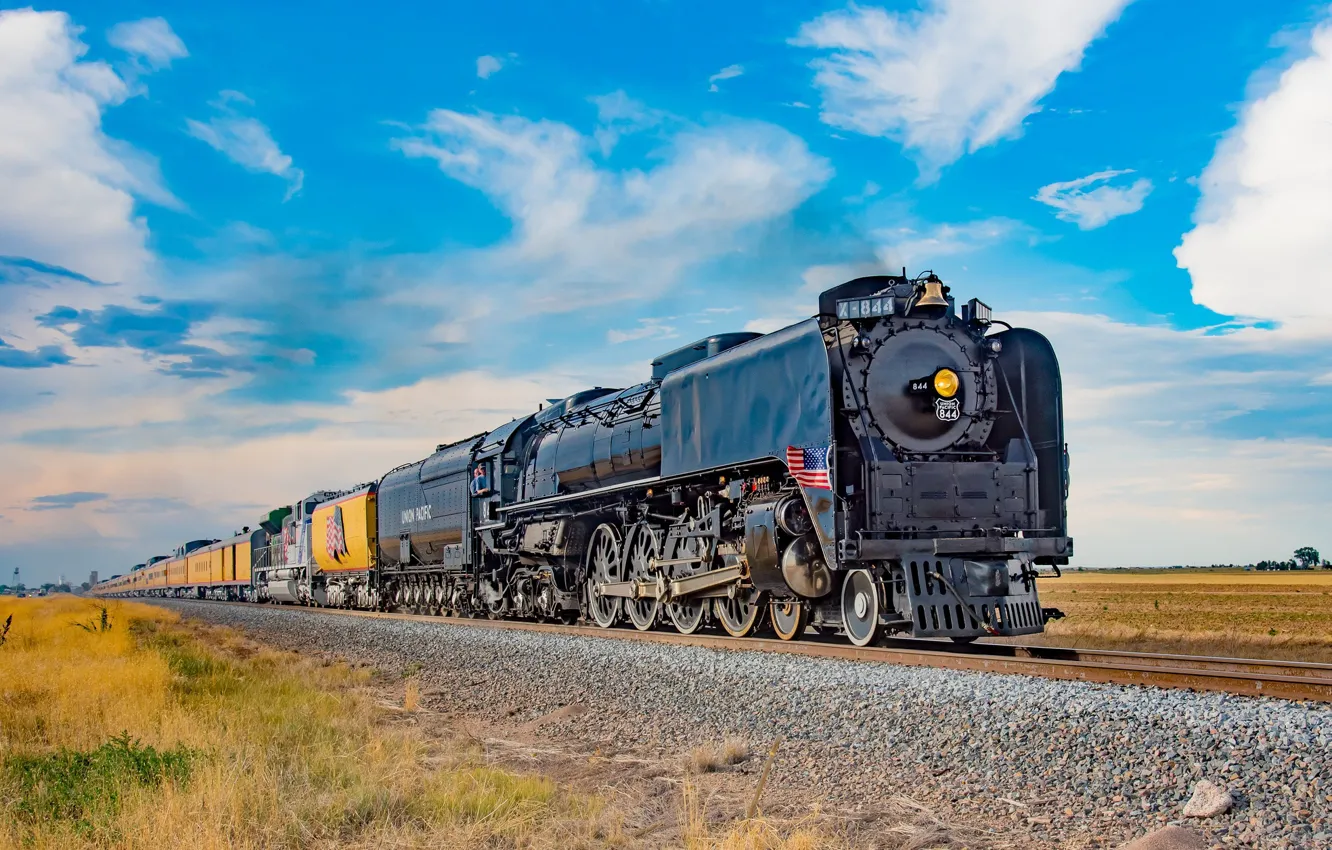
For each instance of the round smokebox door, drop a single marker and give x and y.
(902, 395)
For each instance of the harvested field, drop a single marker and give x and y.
(1285, 615)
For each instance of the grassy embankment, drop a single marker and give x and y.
(140, 731)
(1286, 615)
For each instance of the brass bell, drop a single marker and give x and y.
(933, 295)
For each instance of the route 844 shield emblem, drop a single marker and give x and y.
(948, 409)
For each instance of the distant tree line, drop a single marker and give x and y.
(1306, 558)
(49, 587)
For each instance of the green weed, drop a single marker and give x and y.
(198, 673)
(86, 788)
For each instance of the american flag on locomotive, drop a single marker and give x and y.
(809, 465)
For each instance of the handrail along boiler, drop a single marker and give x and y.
(893, 464)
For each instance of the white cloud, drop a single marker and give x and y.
(727, 73)
(953, 78)
(463, 319)
(150, 39)
(869, 191)
(246, 141)
(1091, 208)
(1260, 247)
(619, 108)
(647, 329)
(69, 190)
(908, 246)
(582, 233)
(768, 324)
(488, 65)
(618, 115)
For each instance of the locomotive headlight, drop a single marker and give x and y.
(946, 383)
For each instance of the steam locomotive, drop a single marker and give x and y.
(894, 464)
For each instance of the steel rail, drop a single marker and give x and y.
(1290, 680)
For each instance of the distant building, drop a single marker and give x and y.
(92, 579)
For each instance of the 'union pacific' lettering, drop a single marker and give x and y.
(417, 514)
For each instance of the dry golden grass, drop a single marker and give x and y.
(153, 733)
(411, 695)
(704, 759)
(1286, 615)
(286, 752)
(708, 758)
(752, 834)
(734, 751)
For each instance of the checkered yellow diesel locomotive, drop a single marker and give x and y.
(894, 464)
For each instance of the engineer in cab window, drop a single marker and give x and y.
(479, 485)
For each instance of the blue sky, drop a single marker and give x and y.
(251, 251)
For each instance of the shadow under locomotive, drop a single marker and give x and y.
(893, 464)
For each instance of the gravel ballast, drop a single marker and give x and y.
(1062, 760)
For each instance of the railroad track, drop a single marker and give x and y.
(1292, 680)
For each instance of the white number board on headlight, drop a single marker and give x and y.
(865, 308)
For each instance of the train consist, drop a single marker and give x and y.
(894, 464)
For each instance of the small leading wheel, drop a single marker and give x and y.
(789, 618)
(603, 565)
(860, 607)
(739, 614)
(644, 550)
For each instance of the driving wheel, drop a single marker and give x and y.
(644, 550)
(739, 613)
(687, 614)
(603, 566)
(790, 617)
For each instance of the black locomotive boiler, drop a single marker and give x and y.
(892, 464)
